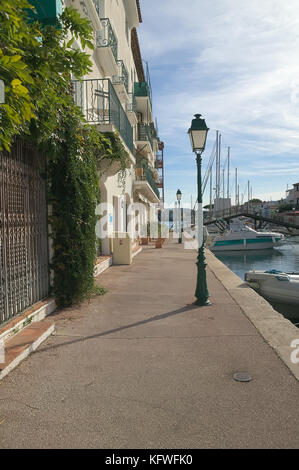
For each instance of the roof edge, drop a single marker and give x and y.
(137, 55)
(139, 10)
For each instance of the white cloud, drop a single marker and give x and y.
(237, 64)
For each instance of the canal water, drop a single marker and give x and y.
(283, 258)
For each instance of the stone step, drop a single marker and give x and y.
(18, 347)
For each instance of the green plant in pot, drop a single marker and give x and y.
(161, 232)
(145, 234)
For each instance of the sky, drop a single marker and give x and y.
(237, 64)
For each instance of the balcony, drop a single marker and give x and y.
(131, 108)
(142, 89)
(143, 94)
(144, 137)
(160, 183)
(146, 184)
(121, 79)
(159, 161)
(100, 105)
(107, 47)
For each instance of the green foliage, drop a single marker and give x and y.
(255, 201)
(285, 207)
(74, 194)
(15, 36)
(35, 64)
(27, 322)
(114, 152)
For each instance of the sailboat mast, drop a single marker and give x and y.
(211, 189)
(228, 169)
(236, 188)
(219, 164)
(217, 160)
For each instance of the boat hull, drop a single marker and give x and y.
(244, 244)
(276, 287)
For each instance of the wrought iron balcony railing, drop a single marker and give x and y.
(122, 75)
(147, 175)
(107, 38)
(100, 105)
(145, 133)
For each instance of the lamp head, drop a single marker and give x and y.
(198, 134)
(179, 195)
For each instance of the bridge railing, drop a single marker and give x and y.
(248, 210)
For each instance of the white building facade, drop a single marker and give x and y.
(116, 97)
(293, 195)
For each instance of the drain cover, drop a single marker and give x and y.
(242, 377)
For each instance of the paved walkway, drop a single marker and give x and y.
(142, 367)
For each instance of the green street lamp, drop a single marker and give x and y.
(179, 197)
(198, 136)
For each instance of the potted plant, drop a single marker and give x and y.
(162, 232)
(146, 230)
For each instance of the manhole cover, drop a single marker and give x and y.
(242, 377)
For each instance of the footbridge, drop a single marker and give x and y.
(220, 217)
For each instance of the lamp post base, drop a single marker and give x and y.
(205, 303)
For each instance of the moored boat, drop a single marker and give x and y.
(276, 286)
(242, 237)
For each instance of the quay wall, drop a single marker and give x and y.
(277, 331)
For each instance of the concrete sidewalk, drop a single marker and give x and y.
(142, 367)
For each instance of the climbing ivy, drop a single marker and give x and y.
(114, 153)
(73, 195)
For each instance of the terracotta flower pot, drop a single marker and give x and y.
(159, 243)
(145, 241)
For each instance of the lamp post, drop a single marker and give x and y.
(198, 136)
(179, 197)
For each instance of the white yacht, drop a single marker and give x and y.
(276, 286)
(242, 237)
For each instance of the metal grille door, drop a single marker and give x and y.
(24, 270)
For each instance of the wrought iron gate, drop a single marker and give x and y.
(24, 270)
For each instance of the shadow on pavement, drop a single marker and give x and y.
(125, 327)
